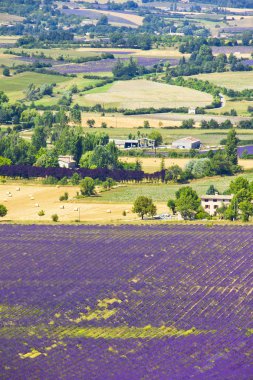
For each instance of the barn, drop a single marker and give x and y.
(186, 143)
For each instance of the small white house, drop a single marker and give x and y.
(186, 143)
(192, 111)
(211, 203)
(67, 162)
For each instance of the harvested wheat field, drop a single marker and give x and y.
(24, 205)
(151, 165)
(125, 122)
(142, 93)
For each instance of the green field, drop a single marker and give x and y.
(14, 86)
(234, 80)
(161, 192)
(55, 53)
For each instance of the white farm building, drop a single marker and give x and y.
(186, 143)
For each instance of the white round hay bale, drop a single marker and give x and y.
(76, 209)
(108, 211)
(10, 195)
(5, 200)
(62, 207)
(7, 192)
(32, 198)
(37, 205)
(18, 189)
(127, 211)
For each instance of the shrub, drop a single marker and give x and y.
(63, 181)
(75, 179)
(64, 197)
(55, 218)
(41, 213)
(50, 180)
(6, 72)
(3, 210)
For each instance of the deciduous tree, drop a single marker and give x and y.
(144, 206)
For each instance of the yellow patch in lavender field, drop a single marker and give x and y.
(121, 332)
(32, 354)
(101, 312)
(126, 332)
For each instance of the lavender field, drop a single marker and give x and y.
(232, 49)
(106, 65)
(127, 302)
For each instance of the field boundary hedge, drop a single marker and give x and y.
(28, 171)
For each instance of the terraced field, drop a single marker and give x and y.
(101, 303)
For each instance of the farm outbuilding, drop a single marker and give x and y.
(142, 142)
(186, 143)
(67, 162)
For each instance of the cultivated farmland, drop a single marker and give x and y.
(115, 18)
(6, 19)
(142, 93)
(100, 303)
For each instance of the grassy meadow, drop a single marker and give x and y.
(160, 192)
(241, 107)
(234, 80)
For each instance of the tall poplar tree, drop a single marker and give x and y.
(231, 147)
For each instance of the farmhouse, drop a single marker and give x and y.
(66, 162)
(211, 203)
(142, 142)
(186, 143)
